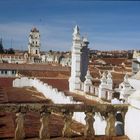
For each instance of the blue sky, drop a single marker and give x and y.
(109, 25)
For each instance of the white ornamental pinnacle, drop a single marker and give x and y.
(85, 42)
(76, 33)
(126, 78)
(109, 76)
(126, 83)
(103, 79)
(85, 39)
(75, 81)
(135, 54)
(109, 80)
(88, 75)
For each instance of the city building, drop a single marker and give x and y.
(80, 89)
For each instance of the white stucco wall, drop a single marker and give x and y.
(132, 123)
(132, 118)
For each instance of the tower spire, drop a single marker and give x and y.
(76, 33)
(74, 81)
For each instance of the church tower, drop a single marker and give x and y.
(34, 42)
(74, 81)
(84, 58)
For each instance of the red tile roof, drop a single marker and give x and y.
(32, 67)
(46, 73)
(113, 61)
(6, 82)
(16, 95)
(60, 84)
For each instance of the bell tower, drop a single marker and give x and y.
(34, 42)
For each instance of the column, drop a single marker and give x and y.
(44, 130)
(19, 131)
(110, 128)
(67, 131)
(89, 130)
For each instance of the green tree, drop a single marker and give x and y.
(1, 46)
(10, 51)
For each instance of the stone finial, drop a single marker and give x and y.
(109, 76)
(85, 39)
(125, 82)
(76, 33)
(126, 78)
(103, 79)
(76, 29)
(88, 76)
(135, 54)
(88, 82)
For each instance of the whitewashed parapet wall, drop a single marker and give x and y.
(48, 91)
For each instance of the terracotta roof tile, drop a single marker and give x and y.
(6, 82)
(45, 73)
(18, 95)
(60, 84)
(32, 67)
(113, 61)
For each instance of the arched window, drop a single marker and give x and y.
(36, 52)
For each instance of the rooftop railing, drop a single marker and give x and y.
(45, 110)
